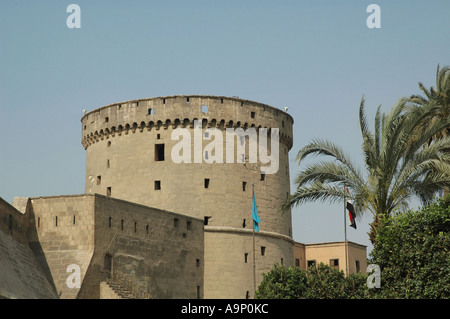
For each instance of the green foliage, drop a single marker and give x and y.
(325, 282)
(321, 282)
(400, 163)
(282, 283)
(440, 95)
(412, 251)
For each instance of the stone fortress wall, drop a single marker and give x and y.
(160, 253)
(171, 230)
(128, 156)
(21, 275)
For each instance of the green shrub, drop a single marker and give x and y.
(412, 251)
(321, 282)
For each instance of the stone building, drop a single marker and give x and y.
(167, 209)
(347, 256)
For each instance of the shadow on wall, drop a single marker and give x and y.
(22, 274)
(35, 245)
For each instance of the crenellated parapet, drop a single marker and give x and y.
(165, 113)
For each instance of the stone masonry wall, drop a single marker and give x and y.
(13, 222)
(65, 237)
(159, 252)
(21, 275)
(229, 255)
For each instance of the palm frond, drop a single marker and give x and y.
(325, 172)
(315, 192)
(327, 148)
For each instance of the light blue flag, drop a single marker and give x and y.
(255, 216)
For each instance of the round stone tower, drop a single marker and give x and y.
(201, 156)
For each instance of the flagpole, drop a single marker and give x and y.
(345, 233)
(254, 249)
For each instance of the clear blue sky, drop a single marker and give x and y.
(316, 57)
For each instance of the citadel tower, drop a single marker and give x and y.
(129, 156)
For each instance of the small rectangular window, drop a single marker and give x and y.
(110, 222)
(74, 222)
(164, 101)
(244, 186)
(263, 177)
(158, 136)
(221, 101)
(243, 223)
(56, 221)
(159, 152)
(204, 108)
(121, 224)
(245, 257)
(150, 111)
(334, 263)
(188, 225)
(108, 191)
(157, 185)
(206, 182)
(282, 261)
(197, 262)
(187, 99)
(311, 263)
(252, 115)
(99, 180)
(175, 222)
(357, 266)
(297, 262)
(263, 250)
(106, 119)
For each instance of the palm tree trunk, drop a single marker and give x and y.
(374, 226)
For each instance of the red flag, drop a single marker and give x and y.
(351, 211)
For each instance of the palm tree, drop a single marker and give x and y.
(440, 95)
(399, 164)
